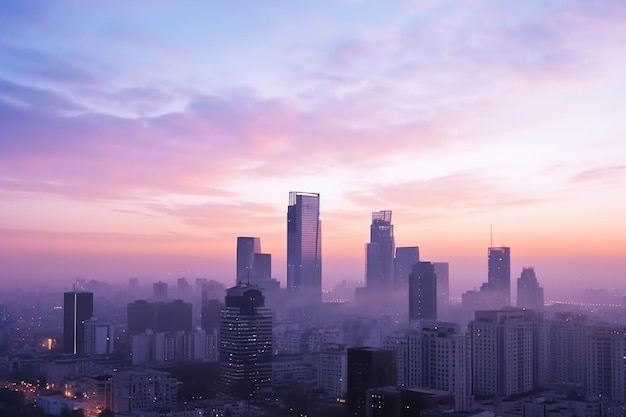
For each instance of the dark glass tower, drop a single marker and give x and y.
(245, 342)
(367, 368)
(246, 248)
(442, 270)
(304, 248)
(423, 292)
(379, 268)
(406, 257)
(77, 308)
(499, 274)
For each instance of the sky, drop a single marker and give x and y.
(139, 139)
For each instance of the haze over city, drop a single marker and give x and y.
(140, 139)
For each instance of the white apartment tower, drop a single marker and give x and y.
(332, 371)
(447, 359)
(502, 352)
(605, 362)
(398, 343)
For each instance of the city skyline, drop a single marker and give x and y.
(134, 145)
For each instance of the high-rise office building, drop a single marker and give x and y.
(77, 308)
(367, 368)
(406, 257)
(245, 342)
(304, 248)
(159, 291)
(499, 274)
(379, 252)
(442, 270)
(262, 268)
(253, 267)
(423, 292)
(529, 293)
(246, 248)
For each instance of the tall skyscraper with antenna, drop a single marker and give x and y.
(304, 248)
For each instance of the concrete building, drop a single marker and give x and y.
(367, 368)
(147, 389)
(423, 292)
(503, 358)
(245, 342)
(332, 369)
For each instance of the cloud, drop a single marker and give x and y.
(459, 193)
(605, 174)
(41, 66)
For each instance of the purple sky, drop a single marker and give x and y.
(141, 138)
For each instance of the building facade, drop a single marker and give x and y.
(304, 248)
(423, 292)
(406, 257)
(245, 342)
(77, 308)
(367, 368)
(379, 271)
(529, 293)
(499, 274)
(503, 352)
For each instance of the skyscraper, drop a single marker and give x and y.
(379, 256)
(444, 360)
(504, 352)
(262, 268)
(246, 248)
(98, 337)
(406, 257)
(442, 270)
(159, 291)
(77, 308)
(529, 293)
(367, 368)
(605, 362)
(423, 292)
(499, 274)
(304, 248)
(245, 341)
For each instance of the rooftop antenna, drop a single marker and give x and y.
(491, 236)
